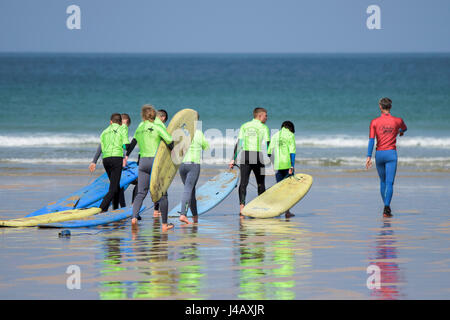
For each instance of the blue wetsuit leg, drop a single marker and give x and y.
(386, 161)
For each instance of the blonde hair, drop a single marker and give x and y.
(148, 112)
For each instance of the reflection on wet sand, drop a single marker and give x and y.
(270, 253)
(150, 266)
(386, 259)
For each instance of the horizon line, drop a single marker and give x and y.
(224, 53)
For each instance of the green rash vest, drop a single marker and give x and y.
(113, 140)
(159, 122)
(252, 134)
(198, 144)
(148, 135)
(282, 145)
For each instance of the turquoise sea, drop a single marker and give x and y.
(54, 106)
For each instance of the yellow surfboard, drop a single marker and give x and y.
(280, 197)
(166, 163)
(50, 218)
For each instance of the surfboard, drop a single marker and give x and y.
(166, 163)
(50, 218)
(210, 194)
(96, 220)
(280, 197)
(91, 195)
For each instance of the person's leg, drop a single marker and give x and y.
(380, 163)
(122, 201)
(184, 170)
(145, 167)
(114, 166)
(281, 174)
(193, 202)
(391, 170)
(260, 178)
(135, 189)
(164, 207)
(245, 175)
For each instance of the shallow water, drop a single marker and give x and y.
(321, 253)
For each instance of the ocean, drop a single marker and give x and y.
(54, 106)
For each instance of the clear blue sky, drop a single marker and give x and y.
(248, 26)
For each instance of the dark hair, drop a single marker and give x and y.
(116, 118)
(126, 117)
(257, 111)
(288, 125)
(385, 103)
(162, 112)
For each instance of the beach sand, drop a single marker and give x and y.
(322, 253)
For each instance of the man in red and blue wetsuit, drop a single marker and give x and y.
(385, 128)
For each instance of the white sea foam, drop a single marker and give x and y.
(47, 140)
(320, 161)
(216, 141)
(344, 141)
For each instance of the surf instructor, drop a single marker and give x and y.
(385, 129)
(252, 135)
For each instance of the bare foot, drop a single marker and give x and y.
(134, 222)
(195, 219)
(166, 227)
(185, 219)
(156, 213)
(241, 208)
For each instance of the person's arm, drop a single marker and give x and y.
(93, 164)
(97, 154)
(292, 168)
(131, 146)
(370, 146)
(167, 138)
(292, 152)
(270, 150)
(402, 129)
(237, 149)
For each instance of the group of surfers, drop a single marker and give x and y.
(254, 136)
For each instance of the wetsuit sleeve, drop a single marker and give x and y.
(130, 147)
(292, 159)
(370, 147)
(267, 136)
(403, 127)
(97, 154)
(165, 135)
(372, 130)
(372, 133)
(237, 149)
(270, 148)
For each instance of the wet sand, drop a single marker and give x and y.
(321, 253)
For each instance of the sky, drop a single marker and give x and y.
(227, 26)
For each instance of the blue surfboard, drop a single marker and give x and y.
(212, 192)
(91, 195)
(95, 220)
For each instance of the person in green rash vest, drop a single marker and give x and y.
(252, 135)
(148, 135)
(282, 146)
(189, 173)
(113, 142)
(161, 119)
(120, 197)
